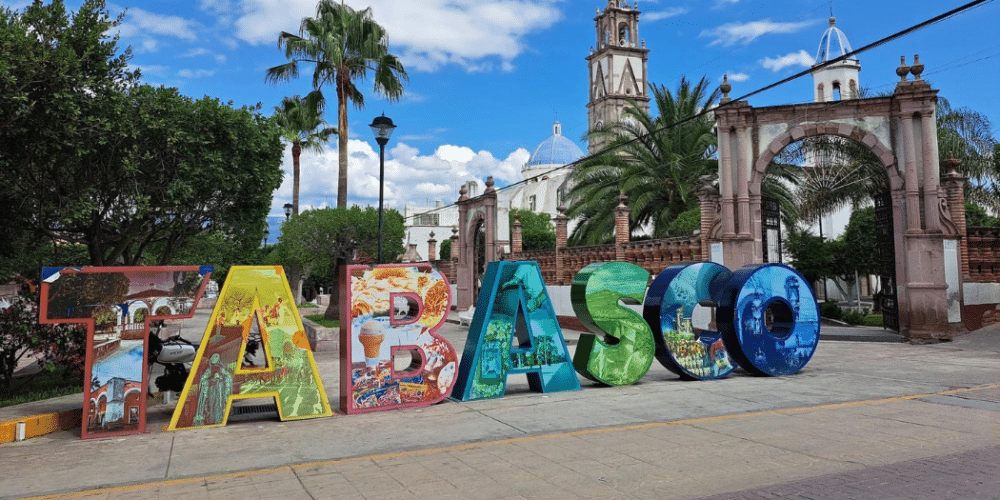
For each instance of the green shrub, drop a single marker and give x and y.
(686, 222)
(830, 310)
(445, 253)
(873, 320)
(853, 317)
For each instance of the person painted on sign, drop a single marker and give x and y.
(214, 389)
(296, 380)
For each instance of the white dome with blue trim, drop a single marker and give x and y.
(556, 150)
(833, 44)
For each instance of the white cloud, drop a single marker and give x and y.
(142, 23)
(151, 69)
(195, 73)
(427, 34)
(738, 77)
(744, 33)
(411, 179)
(800, 58)
(224, 10)
(219, 58)
(663, 14)
(149, 45)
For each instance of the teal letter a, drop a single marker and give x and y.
(514, 330)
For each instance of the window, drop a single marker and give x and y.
(426, 220)
(531, 202)
(624, 36)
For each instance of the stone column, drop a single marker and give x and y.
(561, 243)
(432, 248)
(490, 205)
(622, 235)
(463, 267)
(743, 184)
(454, 243)
(931, 170)
(516, 228)
(708, 197)
(954, 184)
(726, 184)
(912, 181)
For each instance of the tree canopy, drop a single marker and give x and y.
(319, 239)
(537, 232)
(90, 156)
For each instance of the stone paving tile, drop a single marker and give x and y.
(893, 449)
(966, 475)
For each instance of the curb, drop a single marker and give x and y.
(40, 425)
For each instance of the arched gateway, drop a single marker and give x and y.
(900, 130)
(477, 241)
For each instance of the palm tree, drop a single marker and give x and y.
(343, 45)
(843, 173)
(852, 176)
(968, 135)
(302, 125)
(656, 162)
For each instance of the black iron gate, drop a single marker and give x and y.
(770, 215)
(479, 259)
(887, 261)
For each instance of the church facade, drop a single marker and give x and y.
(617, 69)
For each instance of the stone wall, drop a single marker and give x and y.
(984, 254)
(651, 255)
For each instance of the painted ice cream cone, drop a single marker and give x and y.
(371, 337)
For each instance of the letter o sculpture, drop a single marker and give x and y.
(689, 349)
(769, 319)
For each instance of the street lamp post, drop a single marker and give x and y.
(266, 234)
(288, 211)
(382, 127)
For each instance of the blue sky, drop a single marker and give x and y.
(488, 77)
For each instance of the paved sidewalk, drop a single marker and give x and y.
(859, 410)
(971, 474)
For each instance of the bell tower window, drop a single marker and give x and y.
(624, 35)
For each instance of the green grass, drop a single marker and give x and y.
(45, 385)
(308, 305)
(322, 321)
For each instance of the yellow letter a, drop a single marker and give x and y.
(252, 294)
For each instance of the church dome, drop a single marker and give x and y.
(833, 44)
(556, 150)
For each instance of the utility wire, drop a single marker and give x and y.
(796, 76)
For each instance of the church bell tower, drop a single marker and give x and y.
(617, 68)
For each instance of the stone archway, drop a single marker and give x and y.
(473, 213)
(900, 130)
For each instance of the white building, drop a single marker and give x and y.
(838, 81)
(543, 188)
